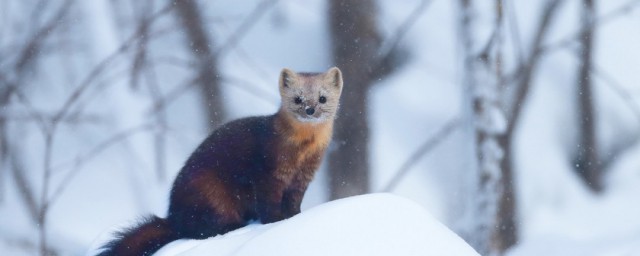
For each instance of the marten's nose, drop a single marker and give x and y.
(310, 111)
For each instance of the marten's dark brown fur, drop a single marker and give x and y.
(255, 168)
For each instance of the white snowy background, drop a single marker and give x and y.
(95, 186)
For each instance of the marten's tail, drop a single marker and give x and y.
(144, 239)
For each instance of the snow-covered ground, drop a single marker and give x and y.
(375, 224)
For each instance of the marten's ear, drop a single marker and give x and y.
(334, 77)
(286, 78)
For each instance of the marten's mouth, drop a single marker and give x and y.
(311, 119)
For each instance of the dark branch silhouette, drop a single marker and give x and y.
(423, 150)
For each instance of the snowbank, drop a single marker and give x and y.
(376, 224)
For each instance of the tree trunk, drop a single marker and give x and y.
(477, 73)
(197, 39)
(586, 161)
(493, 228)
(355, 45)
(506, 234)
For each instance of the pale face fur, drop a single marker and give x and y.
(311, 97)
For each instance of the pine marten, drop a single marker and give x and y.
(255, 168)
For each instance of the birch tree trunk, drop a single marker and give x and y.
(492, 228)
(494, 210)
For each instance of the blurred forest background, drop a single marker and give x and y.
(516, 123)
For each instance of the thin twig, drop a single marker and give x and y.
(39, 116)
(175, 62)
(173, 95)
(49, 131)
(527, 69)
(258, 70)
(24, 188)
(42, 123)
(103, 65)
(83, 159)
(617, 87)
(108, 77)
(140, 58)
(4, 21)
(602, 20)
(226, 47)
(389, 47)
(24, 244)
(161, 122)
(46, 182)
(253, 89)
(246, 25)
(239, 83)
(605, 160)
(425, 148)
(392, 42)
(31, 49)
(37, 11)
(515, 33)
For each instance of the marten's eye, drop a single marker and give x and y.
(297, 100)
(323, 99)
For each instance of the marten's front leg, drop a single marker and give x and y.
(292, 197)
(291, 201)
(269, 200)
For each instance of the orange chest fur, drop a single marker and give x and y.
(303, 147)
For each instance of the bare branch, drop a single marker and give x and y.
(46, 122)
(174, 61)
(7, 90)
(257, 70)
(39, 117)
(608, 158)
(527, 69)
(4, 156)
(618, 88)
(36, 12)
(83, 159)
(46, 178)
(388, 51)
(625, 9)
(24, 188)
(602, 20)
(161, 123)
(84, 85)
(515, 33)
(424, 149)
(198, 41)
(239, 83)
(225, 48)
(172, 95)
(392, 42)
(140, 57)
(32, 112)
(586, 158)
(246, 25)
(253, 89)
(27, 246)
(4, 20)
(31, 50)
(49, 127)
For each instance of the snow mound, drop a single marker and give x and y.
(375, 224)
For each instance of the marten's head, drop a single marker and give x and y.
(311, 97)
